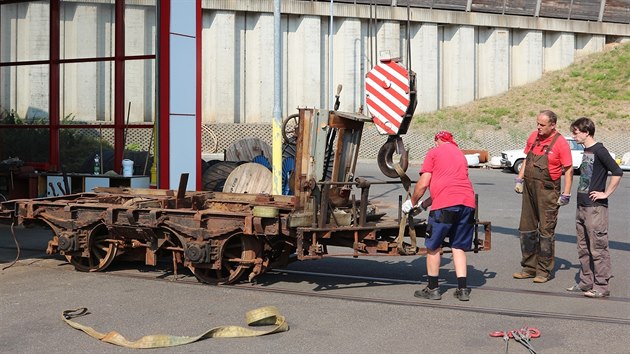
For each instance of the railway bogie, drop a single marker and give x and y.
(228, 237)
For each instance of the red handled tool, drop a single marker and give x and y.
(533, 332)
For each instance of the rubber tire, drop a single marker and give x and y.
(214, 177)
(517, 166)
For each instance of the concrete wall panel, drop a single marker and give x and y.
(347, 68)
(559, 50)
(258, 68)
(388, 40)
(424, 61)
(586, 44)
(527, 57)
(458, 65)
(221, 70)
(302, 64)
(493, 61)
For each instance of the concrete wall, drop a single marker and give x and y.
(458, 56)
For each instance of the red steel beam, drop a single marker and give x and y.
(163, 114)
(53, 86)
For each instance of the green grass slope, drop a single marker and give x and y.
(596, 86)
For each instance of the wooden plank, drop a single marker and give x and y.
(506, 7)
(490, 6)
(617, 11)
(450, 4)
(555, 8)
(585, 10)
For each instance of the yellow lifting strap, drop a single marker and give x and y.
(264, 316)
(406, 219)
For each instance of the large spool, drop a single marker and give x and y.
(251, 177)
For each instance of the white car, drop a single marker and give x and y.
(514, 158)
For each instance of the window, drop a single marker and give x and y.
(74, 80)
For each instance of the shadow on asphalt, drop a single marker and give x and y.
(571, 239)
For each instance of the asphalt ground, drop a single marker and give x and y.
(344, 305)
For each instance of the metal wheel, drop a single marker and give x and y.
(289, 128)
(101, 252)
(237, 256)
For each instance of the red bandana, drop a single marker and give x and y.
(445, 136)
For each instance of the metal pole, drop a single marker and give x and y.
(276, 185)
(330, 58)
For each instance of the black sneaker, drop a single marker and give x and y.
(463, 294)
(426, 293)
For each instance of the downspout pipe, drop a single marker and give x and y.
(276, 146)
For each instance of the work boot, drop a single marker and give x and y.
(522, 275)
(463, 294)
(426, 293)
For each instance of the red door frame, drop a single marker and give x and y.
(163, 95)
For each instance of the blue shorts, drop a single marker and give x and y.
(456, 222)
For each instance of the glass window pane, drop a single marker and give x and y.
(24, 31)
(86, 93)
(140, 90)
(139, 149)
(24, 94)
(87, 29)
(27, 144)
(79, 146)
(140, 29)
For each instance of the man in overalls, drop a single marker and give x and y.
(548, 157)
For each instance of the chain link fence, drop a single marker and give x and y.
(417, 142)
(218, 137)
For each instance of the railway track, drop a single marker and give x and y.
(185, 277)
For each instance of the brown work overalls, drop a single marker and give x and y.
(539, 214)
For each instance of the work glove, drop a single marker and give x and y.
(407, 206)
(564, 199)
(518, 186)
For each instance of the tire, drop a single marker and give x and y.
(517, 166)
(214, 177)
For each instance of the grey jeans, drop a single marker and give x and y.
(592, 246)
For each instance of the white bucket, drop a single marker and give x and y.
(127, 168)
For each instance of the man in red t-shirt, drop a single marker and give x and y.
(548, 158)
(445, 173)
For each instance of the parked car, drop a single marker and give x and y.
(513, 159)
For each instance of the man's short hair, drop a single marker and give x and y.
(585, 125)
(553, 118)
